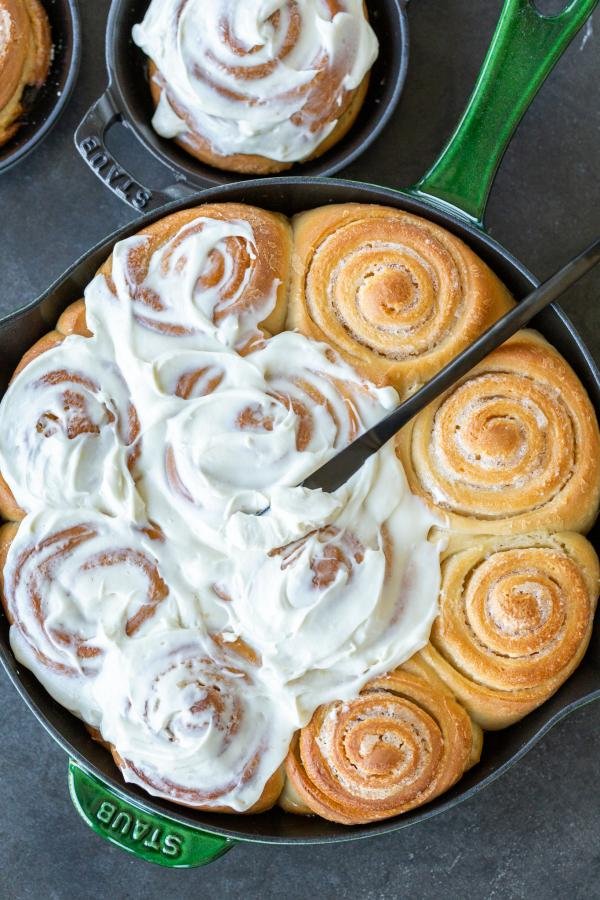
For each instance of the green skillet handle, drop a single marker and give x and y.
(525, 47)
(154, 838)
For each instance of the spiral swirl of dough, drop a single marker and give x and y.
(396, 294)
(512, 448)
(195, 280)
(267, 423)
(70, 431)
(515, 619)
(25, 52)
(73, 582)
(191, 723)
(398, 745)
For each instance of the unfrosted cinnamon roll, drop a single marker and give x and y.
(253, 87)
(398, 296)
(515, 619)
(401, 743)
(25, 46)
(513, 447)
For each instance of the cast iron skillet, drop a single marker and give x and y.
(46, 105)
(452, 194)
(127, 100)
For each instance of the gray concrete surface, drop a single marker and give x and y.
(535, 832)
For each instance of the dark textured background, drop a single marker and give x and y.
(535, 832)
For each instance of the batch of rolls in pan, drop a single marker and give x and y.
(342, 654)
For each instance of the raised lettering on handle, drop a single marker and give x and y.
(90, 140)
(150, 836)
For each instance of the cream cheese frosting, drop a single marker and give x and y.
(248, 77)
(147, 596)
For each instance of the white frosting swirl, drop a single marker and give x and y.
(264, 77)
(69, 430)
(76, 584)
(147, 596)
(191, 723)
(202, 288)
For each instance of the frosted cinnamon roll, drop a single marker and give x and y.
(398, 296)
(251, 86)
(68, 431)
(351, 587)
(192, 724)
(73, 584)
(281, 411)
(203, 278)
(515, 619)
(401, 743)
(514, 447)
(25, 47)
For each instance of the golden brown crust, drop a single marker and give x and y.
(402, 742)
(73, 321)
(397, 295)
(514, 447)
(24, 58)
(516, 615)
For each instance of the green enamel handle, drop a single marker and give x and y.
(525, 47)
(149, 836)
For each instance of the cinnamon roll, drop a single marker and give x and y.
(351, 590)
(25, 48)
(68, 431)
(398, 296)
(202, 278)
(73, 583)
(403, 741)
(192, 724)
(72, 321)
(513, 447)
(254, 87)
(281, 410)
(515, 619)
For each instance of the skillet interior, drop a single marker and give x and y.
(501, 749)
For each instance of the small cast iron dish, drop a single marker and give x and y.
(44, 107)
(453, 194)
(127, 100)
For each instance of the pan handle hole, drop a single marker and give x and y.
(550, 7)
